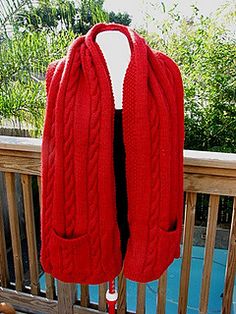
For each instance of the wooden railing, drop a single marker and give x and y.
(205, 172)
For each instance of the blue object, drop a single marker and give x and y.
(173, 281)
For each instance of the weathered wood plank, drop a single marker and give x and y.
(20, 143)
(191, 157)
(209, 251)
(121, 302)
(67, 293)
(15, 230)
(18, 164)
(50, 286)
(39, 190)
(19, 153)
(84, 295)
(198, 183)
(38, 305)
(30, 148)
(189, 221)
(220, 172)
(30, 233)
(209, 159)
(161, 296)
(230, 266)
(102, 297)
(49, 280)
(141, 296)
(4, 273)
(26, 302)
(83, 310)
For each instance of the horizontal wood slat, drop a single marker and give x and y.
(20, 164)
(219, 172)
(19, 150)
(209, 159)
(191, 157)
(38, 305)
(210, 184)
(25, 302)
(18, 143)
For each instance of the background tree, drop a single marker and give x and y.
(121, 18)
(205, 49)
(63, 14)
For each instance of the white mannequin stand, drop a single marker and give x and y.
(116, 50)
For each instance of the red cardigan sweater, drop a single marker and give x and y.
(79, 232)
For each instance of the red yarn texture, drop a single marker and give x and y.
(80, 240)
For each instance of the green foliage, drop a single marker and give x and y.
(205, 52)
(8, 9)
(23, 62)
(90, 12)
(40, 34)
(120, 18)
(51, 14)
(202, 47)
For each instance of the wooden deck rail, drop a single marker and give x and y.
(204, 172)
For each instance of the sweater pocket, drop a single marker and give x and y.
(168, 245)
(70, 257)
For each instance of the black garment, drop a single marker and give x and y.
(120, 178)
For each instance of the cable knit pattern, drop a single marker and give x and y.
(93, 154)
(48, 153)
(68, 164)
(155, 187)
(79, 230)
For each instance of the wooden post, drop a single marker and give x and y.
(121, 302)
(102, 297)
(4, 274)
(189, 222)
(161, 301)
(15, 230)
(67, 293)
(209, 251)
(30, 233)
(141, 296)
(84, 295)
(231, 265)
(50, 286)
(50, 283)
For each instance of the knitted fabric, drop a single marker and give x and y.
(80, 240)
